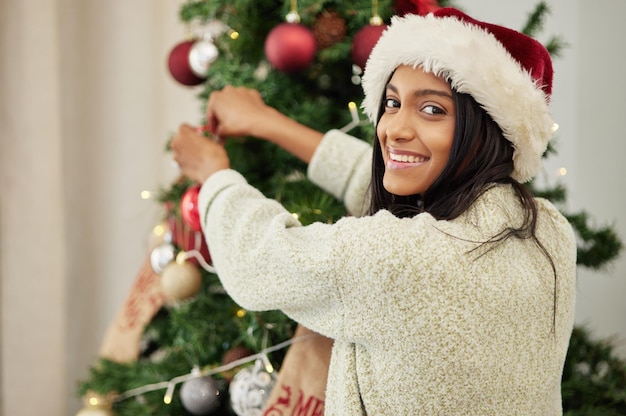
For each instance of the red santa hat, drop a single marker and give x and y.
(508, 73)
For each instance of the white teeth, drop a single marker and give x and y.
(406, 158)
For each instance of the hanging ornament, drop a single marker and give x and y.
(201, 395)
(185, 239)
(95, 405)
(161, 256)
(180, 280)
(201, 55)
(189, 207)
(234, 354)
(421, 7)
(179, 65)
(366, 38)
(189, 61)
(290, 47)
(251, 387)
(329, 28)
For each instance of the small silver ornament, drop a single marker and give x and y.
(161, 256)
(200, 396)
(201, 55)
(250, 389)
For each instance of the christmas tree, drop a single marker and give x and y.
(307, 59)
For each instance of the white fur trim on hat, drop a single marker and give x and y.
(475, 63)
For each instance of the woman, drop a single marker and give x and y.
(455, 295)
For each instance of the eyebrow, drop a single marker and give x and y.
(422, 92)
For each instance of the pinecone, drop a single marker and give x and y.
(328, 29)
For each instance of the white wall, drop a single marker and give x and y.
(85, 109)
(87, 105)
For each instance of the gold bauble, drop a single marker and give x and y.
(180, 281)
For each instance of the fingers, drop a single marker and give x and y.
(234, 111)
(197, 156)
(212, 120)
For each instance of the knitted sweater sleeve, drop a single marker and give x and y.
(328, 277)
(263, 256)
(341, 166)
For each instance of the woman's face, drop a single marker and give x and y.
(415, 131)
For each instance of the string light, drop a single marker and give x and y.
(146, 195)
(356, 120)
(171, 384)
(169, 393)
(158, 230)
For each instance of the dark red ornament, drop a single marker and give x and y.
(185, 239)
(234, 354)
(189, 208)
(178, 64)
(421, 7)
(290, 47)
(364, 41)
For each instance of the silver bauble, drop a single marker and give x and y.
(200, 396)
(161, 256)
(201, 55)
(250, 389)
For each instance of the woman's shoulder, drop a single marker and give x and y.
(500, 203)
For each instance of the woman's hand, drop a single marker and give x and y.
(198, 156)
(238, 111)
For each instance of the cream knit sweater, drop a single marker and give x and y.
(424, 322)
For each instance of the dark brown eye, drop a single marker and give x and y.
(433, 109)
(391, 103)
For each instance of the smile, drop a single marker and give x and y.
(407, 158)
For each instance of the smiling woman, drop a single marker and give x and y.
(455, 295)
(415, 130)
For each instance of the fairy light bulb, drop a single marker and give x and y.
(375, 20)
(293, 16)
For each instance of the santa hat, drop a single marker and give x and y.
(508, 73)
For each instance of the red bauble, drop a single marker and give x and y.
(421, 7)
(185, 239)
(179, 66)
(290, 47)
(363, 43)
(189, 208)
(186, 234)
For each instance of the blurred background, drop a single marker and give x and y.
(86, 107)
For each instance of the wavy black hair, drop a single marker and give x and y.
(480, 157)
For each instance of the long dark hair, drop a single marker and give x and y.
(480, 157)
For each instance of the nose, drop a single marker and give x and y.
(398, 128)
